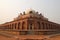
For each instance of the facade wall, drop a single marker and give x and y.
(30, 26)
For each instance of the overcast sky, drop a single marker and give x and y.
(10, 9)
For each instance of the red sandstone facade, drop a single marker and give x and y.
(30, 26)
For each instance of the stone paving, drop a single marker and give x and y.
(6, 36)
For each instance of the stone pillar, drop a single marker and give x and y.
(21, 26)
(26, 25)
(17, 25)
(44, 25)
(41, 25)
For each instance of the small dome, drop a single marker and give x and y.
(28, 11)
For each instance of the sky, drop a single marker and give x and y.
(10, 9)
